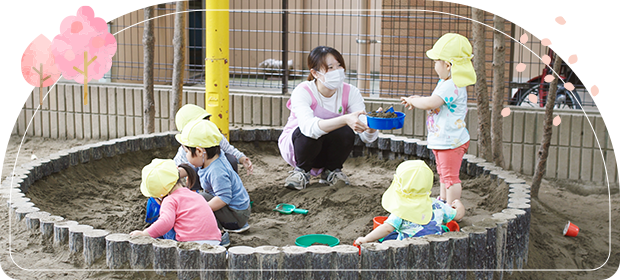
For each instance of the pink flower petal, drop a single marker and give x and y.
(569, 86)
(545, 42)
(523, 39)
(505, 112)
(557, 121)
(560, 20)
(572, 59)
(521, 67)
(549, 78)
(594, 90)
(546, 59)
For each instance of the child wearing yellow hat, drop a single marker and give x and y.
(191, 112)
(181, 209)
(447, 134)
(221, 185)
(413, 212)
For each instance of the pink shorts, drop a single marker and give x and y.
(449, 164)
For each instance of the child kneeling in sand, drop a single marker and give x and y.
(222, 186)
(413, 212)
(182, 209)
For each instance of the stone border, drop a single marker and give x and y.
(499, 242)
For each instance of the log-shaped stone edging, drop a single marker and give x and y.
(496, 243)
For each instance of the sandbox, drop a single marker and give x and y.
(494, 235)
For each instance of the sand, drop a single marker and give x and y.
(106, 195)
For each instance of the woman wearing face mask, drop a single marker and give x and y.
(320, 131)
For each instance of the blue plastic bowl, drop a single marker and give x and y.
(316, 239)
(387, 123)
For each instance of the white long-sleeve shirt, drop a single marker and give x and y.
(309, 124)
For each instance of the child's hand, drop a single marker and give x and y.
(247, 164)
(360, 241)
(407, 102)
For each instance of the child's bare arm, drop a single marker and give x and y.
(139, 233)
(378, 233)
(460, 209)
(216, 203)
(424, 103)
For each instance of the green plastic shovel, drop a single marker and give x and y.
(289, 209)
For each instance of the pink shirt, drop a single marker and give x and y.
(189, 214)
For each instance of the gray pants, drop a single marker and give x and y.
(227, 217)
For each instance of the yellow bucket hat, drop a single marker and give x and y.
(188, 113)
(200, 133)
(456, 49)
(408, 197)
(158, 178)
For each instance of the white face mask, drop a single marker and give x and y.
(333, 79)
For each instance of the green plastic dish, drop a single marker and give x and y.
(317, 239)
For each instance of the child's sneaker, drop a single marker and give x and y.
(225, 240)
(240, 230)
(333, 177)
(297, 180)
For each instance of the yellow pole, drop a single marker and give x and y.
(216, 63)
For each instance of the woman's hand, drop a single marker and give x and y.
(354, 122)
(139, 233)
(247, 164)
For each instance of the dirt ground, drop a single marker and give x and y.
(106, 195)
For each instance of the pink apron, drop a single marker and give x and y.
(285, 142)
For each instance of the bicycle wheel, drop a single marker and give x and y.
(563, 100)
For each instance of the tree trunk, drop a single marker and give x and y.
(499, 89)
(148, 42)
(543, 151)
(178, 43)
(482, 94)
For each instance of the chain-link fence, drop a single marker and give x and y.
(383, 43)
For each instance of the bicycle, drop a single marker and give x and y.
(580, 34)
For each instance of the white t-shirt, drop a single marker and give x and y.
(446, 124)
(309, 124)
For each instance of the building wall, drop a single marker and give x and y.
(580, 147)
(411, 27)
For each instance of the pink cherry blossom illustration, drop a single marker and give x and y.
(523, 38)
(557, 121)
(505, 112)
(549, 78)
(594, 90)
(560, 20)
(84, 48)
(38, 67)
(573, 58)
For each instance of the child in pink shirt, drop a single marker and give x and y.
(182, 209)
